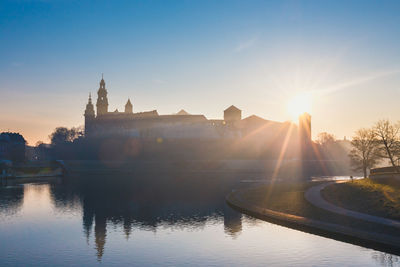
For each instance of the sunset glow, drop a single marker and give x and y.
(223, 133)
(299, 104)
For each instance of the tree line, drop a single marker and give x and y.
(369, 146)
(373, 145)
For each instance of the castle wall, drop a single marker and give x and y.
(154, 126)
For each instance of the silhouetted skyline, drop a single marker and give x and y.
(201, 57)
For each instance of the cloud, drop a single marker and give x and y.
(245, 45)
(357, 81)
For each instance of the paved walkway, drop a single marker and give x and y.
(340, 232)
(313, 195)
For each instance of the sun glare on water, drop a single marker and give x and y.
(299, 104)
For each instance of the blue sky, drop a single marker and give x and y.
(202, 56)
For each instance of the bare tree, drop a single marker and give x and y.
(325, 138)
(389, 139)
(363, 155)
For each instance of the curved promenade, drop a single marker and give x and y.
(352, 235)
(313, 195)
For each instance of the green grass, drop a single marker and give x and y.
(289, 198)
(380, 197)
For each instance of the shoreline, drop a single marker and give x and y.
(375, 241)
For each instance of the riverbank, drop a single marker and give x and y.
(28, 172)
(378, 197)
(285, 204)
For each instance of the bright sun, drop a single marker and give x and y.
(299, 104)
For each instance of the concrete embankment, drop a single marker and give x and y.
(367, 239)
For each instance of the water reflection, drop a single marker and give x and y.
(385, 259)
(137, 201)
(103, 209)
(11, 199)
(232, 222)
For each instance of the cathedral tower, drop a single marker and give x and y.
(89, 117)
(305, 128)
(305, 135)
(102, 101)
(128, 107)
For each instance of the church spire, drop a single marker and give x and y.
(128, 107)
(102, 82)
(89, 111)
(102, 101)
(89, 117)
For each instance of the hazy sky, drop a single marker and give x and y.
(202, 56)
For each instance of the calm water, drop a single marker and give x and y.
(147, 223)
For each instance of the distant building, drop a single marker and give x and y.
(232, 114)
(305, 134)
(260, 127)
(12, 146)
(305, 128)
(128, 107)
(42, 152)
(182, 112)
(181, 125)
(150, 124)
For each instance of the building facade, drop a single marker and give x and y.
(182, 125)
(232, 114)
(150, 124)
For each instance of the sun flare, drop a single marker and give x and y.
(299, 104)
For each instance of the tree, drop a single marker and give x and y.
(325, 138)
(389, 140)
(63, 135)
(363, 155)
(39, 143)
(13, 146)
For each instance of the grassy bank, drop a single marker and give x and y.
(289, 199)
(379, 197)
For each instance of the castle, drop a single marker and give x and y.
(150, 124)
(182, 125)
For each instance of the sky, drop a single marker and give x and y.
(201, 56)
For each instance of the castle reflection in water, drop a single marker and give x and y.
(50, 223)
(130, 201)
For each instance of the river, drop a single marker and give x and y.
(173, 221)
